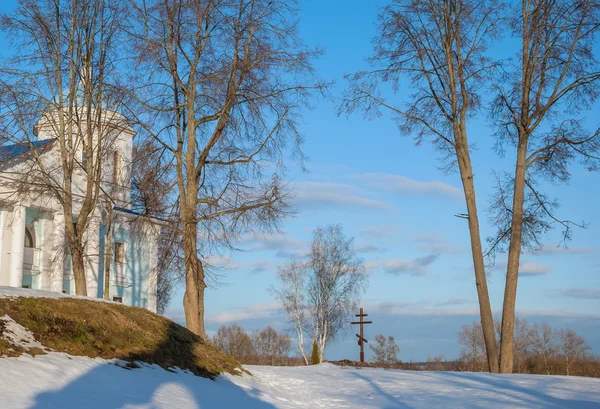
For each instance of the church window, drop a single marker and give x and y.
(117, 168)
(28, 238)
(118, 299)
(120, 252)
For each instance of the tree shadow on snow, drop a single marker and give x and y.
(502, 388)
(108, 386)
(393, 401)
(481, 391)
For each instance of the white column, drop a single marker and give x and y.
(57, 253)
(17, 246)
(91, 261)
(47, 246)
(3, 272)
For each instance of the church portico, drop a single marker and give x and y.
(28, 238)
(118, 265)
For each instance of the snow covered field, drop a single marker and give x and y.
(60, 381)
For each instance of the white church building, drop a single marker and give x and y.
(33, 250)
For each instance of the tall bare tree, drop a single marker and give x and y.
(555, 77)
(222, 84)
(439, 48)
(57, 79)
(320, 293)
(270, 345)
(234, 340)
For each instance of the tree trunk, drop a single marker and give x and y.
(301, 342)
(485, 309)
(193, 299)
(107, 251)
(514, 257)
(77, 264)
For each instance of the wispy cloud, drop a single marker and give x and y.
(422, 308)
(368, 248)
(403, 185)
(245, 313)
(553, 250)
(379, 232)
(526, 269)
(533, 269)
(316, 195)
(227, 263)
(372, 265)
(415, 267)
(452, 302)
(284, 245)
(587, 293)
(434, 243)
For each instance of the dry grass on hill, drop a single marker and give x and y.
(108, 330)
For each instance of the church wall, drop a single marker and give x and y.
(135, 279)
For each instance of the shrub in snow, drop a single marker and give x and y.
(314, 358)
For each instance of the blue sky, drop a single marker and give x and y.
(391, 196)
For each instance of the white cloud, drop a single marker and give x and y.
(245, 313)
(453, 301)
(284, 245)
(379, 232)
(552, 250)
(404, 185)
(368, 248)
(526, 269)
(434, 243)
(371, 266)
(415, 267)
(533, 269)
(227, 263)
(316, 195)
(585, 293)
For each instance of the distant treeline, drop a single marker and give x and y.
(539, 349)
(261, 347)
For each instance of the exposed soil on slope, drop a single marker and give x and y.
(108, 330)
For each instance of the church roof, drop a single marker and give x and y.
(12, 151)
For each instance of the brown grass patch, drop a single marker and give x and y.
(107, 330)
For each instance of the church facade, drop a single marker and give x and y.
(33, 250)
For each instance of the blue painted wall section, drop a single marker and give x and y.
(136, 267)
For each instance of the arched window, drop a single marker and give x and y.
(29, 243)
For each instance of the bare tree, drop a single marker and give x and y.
(545, 344)
(572, 346)
(152, 196)
(439, 47)
(292, 294)
(234, 340)
(223, 84)
(523, 340)
(320, 293)
(473, 351)
(270, 344)
(554, 77)
(56, 84)
(385, 350)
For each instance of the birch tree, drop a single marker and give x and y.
(221, 86)
(539, 111)
(438, 47)
(320, 293)
(57, 78)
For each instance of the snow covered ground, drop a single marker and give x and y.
(56, 380)
(59, 381)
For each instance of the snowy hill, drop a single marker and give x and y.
(56, 380)
(78, 344)
(38, 322)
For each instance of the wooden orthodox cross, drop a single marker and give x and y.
(361, 339)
